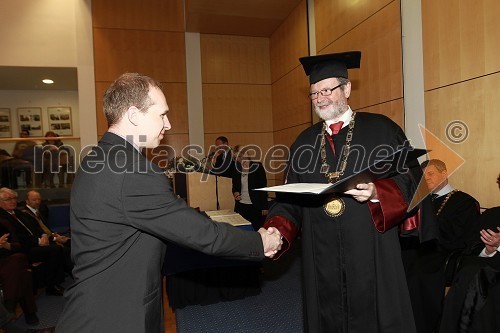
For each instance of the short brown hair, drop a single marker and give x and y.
(440, 165)
(130, 89)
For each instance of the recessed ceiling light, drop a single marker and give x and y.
(47, 81)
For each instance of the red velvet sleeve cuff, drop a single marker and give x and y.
(391, 207)
(287, 229)
(411, 223)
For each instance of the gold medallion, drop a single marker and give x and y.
(334, 206)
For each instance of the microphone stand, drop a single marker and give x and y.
(217, 192)
(217, 204)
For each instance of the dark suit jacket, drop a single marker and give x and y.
(27, 239)
(224, 165)
(122, 210)
(256, 179)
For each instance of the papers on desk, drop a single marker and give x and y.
(382, 168)
(227, 216)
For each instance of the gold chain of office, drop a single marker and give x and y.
(445, 201)
(334, 206)
(332, 177)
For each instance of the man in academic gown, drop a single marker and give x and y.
(353, 275)
(122, 210)
(456, 214)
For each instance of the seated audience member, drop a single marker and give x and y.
(473, 301)
(24, 133)
(30, 151)
(15, 276)
(455, 213)
(249, 175)
(56, 159)
(32, 208)
(11, 167)
(34, 242)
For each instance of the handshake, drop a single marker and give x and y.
(272, 241)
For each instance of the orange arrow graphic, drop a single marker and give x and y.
(436, 149)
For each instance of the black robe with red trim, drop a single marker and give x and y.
(353, 276)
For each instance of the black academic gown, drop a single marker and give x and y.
(457, 225)
(353, 275)
(473, 302)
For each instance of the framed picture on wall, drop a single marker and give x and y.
(5, 127)
(60, 120)
(30, 119)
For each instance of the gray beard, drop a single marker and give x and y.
(334, 110)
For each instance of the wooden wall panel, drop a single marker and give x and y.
(289, 42)
(102, 124)
(240, 107)
(236, 90)
(176, 96)
(291, 104)
(235, 59)
(160, 55)
(285, 137)
(379, 39)
(392, 109)
(145, 37)
(461, 40)
(475, 103)
(157, 15)
(335, 18)
(176, 141)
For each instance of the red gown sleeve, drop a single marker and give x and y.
(287, 229)
(391, 208)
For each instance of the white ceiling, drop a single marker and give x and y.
(30, 78)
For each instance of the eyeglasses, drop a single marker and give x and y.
(324, 92)
(9, 199)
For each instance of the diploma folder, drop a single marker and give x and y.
(385, 167)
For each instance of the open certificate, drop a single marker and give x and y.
(380, 169)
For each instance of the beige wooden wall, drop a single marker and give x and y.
(290, 86)
(374, 28)
(461, 43)
(236, 79)
(145, 37)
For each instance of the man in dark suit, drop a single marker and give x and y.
(32, 208)
(224, 163)
(122, 210)
(34, 242)
(250, 204)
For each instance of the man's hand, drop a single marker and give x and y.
(60, 239)
(4, 241)
(237, 196)
(363, 192)
(44, 240)
(271, 239)
(491, 240)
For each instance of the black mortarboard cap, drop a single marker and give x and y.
(325, 66)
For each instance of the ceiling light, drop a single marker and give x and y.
(47, 81)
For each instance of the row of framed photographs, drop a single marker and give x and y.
(59, 120)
